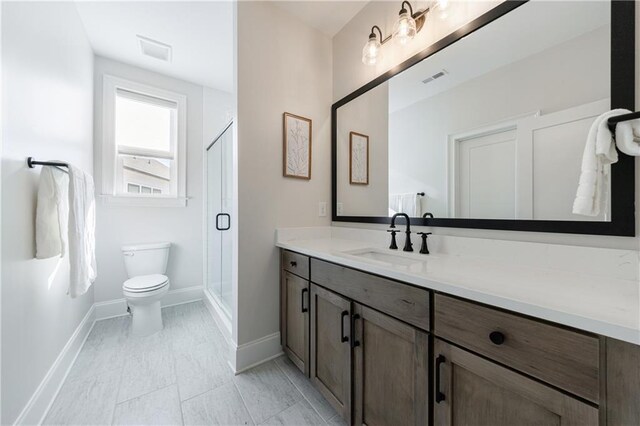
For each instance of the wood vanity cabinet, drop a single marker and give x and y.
(369, 344)
(391, 379)
(330, 370)
(471, 390)
(294, 312)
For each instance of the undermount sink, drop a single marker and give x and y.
(379, 256)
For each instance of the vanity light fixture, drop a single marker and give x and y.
(404, 29)
(372, 50)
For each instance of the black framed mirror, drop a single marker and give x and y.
(486, 128)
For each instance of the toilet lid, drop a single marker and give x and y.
(145, 283)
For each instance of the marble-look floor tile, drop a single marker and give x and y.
(202, 369)
(299, 414)
(109, 331)
(337, 420)
(221, 406)
(97, 359)
(88, 401)
(266, 391)
(161, 407)
(303, 384)
(145, 372)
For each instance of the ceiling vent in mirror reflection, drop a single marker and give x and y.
(154, 48)
(437, 75)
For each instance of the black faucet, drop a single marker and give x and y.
(407, 241)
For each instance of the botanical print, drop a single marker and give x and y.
(297, 146)
(359, 158)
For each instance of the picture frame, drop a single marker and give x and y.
(358, 159)
(297, 146)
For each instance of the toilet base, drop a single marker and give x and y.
(145, 311)
(147, 319)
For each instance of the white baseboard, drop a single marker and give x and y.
(118, 307)
(41, 400)
(259, 351)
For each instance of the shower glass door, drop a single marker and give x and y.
(219, 208)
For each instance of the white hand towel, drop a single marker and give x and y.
(394, 203)
(627, 134)
(82, 225)
(52, 213)
(599, 153)
(411, 204)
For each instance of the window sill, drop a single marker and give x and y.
(124, 201)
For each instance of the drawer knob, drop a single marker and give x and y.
(293, 263)
(496, 337)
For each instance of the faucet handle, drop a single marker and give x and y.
(424, 249)
(394, 245)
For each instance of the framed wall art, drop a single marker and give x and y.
(297, 132)
(358, 159)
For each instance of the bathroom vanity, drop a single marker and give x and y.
(389, 351)
(484, 128)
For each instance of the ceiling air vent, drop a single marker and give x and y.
(437, 75)
(154, 48)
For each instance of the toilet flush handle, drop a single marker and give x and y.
(128, 253)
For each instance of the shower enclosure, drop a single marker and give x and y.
(219, 210)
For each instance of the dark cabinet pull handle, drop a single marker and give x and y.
(354, 343)
(304, 290)
(293, 263)
(343, 337)
(497, 338)
(439, 361)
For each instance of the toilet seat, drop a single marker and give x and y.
(145, 283)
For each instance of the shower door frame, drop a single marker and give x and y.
(225, 313)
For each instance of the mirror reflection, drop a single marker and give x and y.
(492, 127)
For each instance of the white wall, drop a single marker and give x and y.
(47, 81)
(292, 75)
(182, 226)
(349, 74)
(519, 88)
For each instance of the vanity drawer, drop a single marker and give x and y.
(295, 263)
(402, 301)
(564, 358)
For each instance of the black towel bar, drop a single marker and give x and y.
(33, 163)
(57, 164)
(619, 118)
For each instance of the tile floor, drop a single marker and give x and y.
(180, 376)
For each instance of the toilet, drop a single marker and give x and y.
(146, 265)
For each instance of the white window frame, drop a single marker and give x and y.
(110, 180)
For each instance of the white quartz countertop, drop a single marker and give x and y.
(606, 306)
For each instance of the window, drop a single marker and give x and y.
(144, 144)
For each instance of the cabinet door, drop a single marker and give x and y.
(470, 390)
(330, 348)
(295, 322)
(390, 371)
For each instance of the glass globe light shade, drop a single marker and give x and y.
(442, 7)
(371, 52)
(405, 28)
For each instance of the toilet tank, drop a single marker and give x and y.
(146, 259)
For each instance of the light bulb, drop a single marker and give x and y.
(405, 28)
(371, 51)
(443, 8)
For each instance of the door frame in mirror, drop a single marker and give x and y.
(622, 96)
